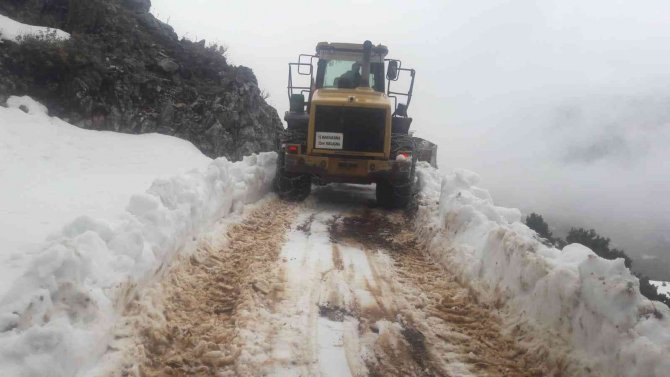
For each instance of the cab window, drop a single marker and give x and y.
(344, 74)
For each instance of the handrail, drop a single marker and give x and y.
(394, 95)
(303, 89)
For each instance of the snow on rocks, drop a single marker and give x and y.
(11, 30)
(662, 287)
(56, 318)
(574, 298)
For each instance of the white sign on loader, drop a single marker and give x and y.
(329, 140)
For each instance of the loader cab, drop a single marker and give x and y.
(339, 67)
(342, 66)
(340, 73)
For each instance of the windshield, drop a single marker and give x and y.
(344, 74)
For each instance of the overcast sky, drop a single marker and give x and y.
(563, 107)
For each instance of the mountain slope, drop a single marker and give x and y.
(124, 70)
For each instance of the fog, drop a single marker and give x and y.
(563, 107)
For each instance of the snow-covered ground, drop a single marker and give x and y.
(328, 287)
(662, 287)
(53, 172)
(571, 301)
(106, 234)
(13, 31)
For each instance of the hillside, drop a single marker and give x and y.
(124, 70)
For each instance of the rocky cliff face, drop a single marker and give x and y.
(124, 70)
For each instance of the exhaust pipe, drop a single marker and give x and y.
(365, 71)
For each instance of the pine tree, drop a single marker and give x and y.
(599, 244)
(537, 223)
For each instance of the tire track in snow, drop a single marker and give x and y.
(191, 324)
(361, 298)
(291, 338)
(435, 325)
(345, 292)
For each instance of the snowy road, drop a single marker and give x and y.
(329, 287)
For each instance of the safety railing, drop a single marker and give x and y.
(304, 67)
(408, 94)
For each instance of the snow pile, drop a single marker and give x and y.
(56, 318)
(53, 172)
(571, 296)
(11, 30)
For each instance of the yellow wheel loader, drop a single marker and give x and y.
(348, 125)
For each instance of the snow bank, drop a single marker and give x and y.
(55, 319)
(11, 30)
(53, 172)
(571, 296)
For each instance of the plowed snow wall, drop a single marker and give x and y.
(590, 306)
(56, 320)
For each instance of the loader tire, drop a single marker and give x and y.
(394, 195)
(290, 186)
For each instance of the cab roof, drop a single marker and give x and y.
(349, 51)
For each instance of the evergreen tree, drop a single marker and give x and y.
(537, 223)
(599, 244)
(616, 253)
(589, 238)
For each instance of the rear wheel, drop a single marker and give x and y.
(393, 195)
(290, 186)
(397, 193)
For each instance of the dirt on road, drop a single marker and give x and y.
(317, 289)
(445, 331)
(190, 327)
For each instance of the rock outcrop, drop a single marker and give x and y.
(123, 70)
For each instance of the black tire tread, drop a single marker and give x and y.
(398, 193)
(291, 187)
